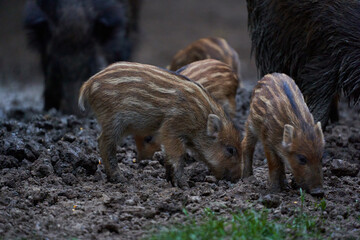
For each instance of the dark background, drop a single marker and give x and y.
(165, 27)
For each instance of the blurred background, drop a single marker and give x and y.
(166, 26)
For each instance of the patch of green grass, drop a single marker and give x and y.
(248, 224)
(244, 225)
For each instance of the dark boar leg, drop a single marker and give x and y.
(276, 171)
(248, 147)
(52, 95)
(334, 109)
(107, 148)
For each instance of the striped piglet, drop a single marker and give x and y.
(207, 48)
(217, 78)
(281, 119)
(139, 99)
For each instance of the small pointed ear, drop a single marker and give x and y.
(288, 135)
(214, 125)
(319, 131)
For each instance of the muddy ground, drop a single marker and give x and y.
(53, 187)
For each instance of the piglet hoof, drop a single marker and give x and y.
(317, 192)
(183, 184)
(116, 178)
(169, 173)
(247, 172)
(180, 183)
(175, 177)
(285, 185)
(275, 188)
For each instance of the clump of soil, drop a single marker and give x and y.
(53, 186)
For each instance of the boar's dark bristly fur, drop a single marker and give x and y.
(75, 39)
(314, 42)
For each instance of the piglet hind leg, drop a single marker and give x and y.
(277, 175)
(107, 147)
(248, 147)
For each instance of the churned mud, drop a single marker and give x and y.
(52, 185)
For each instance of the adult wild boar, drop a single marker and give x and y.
(75, 39)
(314, 42)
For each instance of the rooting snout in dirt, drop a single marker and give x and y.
(280, 118)
(135, 99)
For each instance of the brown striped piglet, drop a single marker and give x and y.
(207, 48)
(139, 99)
(217, 78)
(281, 119)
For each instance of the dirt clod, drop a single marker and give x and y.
(270, 201)
(342, 168)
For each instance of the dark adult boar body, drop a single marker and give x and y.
(75, 39)
(314, 42)
(280, 118)
(134, 99)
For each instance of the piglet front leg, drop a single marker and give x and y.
(174, 159)
(248, 146)
(277, 175)
(174, 172)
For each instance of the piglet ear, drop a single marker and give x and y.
(319, 131)
(288, 136)
(214, 125)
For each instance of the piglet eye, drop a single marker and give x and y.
(148, 139)
(302, 159)
(230, 151)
